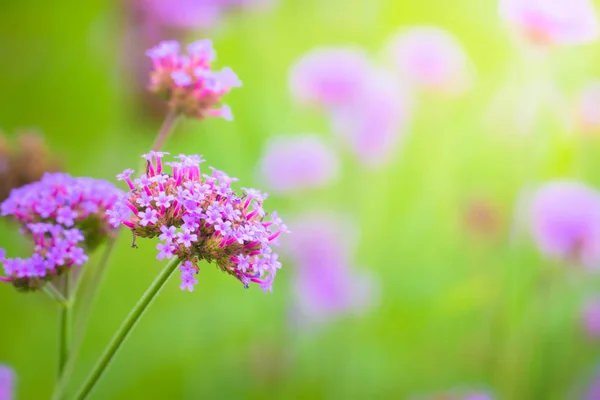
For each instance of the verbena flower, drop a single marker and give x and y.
(551, 22)
(71, 202)
(329, 77)
(7, 382)
(296, 162)
(188, 82)
(591, 317)
(326, 283)
(374, 123)
(200, 217)
(56, 251)
(430, 58)
(565, 222)
(64, 217)
(193, 14)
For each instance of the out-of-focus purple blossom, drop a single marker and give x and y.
(326, 284)
(593, 390)
(587, 108)
(565, 222)
(329, 77)
(374, 123)
(457, 394)
(431, 58)
(591, 317)
(188, 82)
(296, 162)
(194, 14)
(551, 22)
(204, 219)
(7, 382)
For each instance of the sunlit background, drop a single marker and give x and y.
(411, 270)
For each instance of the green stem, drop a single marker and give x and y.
(56, 295)
(87, 303)
(126, 328)
(165, 130)
(64, 329)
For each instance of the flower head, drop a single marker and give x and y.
(431, 58)
(330, 76)
(205, 220)
(551, 22)
(326, 284)
(374, 123)
(591, 317)
(565, 222)
(188, 82)
(56, 251)
(7, 379)
(587, 108)
(67, 201)
(295, 162)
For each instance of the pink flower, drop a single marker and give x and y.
(188, 82)
(326, 284)
(374, 123)
(431, 58)
(565, 222)
(296, 162)
(587, 108)
(7, 381)
(329, 76)
(551, 22)
(591, 317)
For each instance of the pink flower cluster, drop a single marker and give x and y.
(56, 250)
(63, 216)
(199, 217)
(552, 22)
(61, 199)
(188, 82)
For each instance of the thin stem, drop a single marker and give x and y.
(87, 302)
(126, 328)
(56, 295)
(165, 130)
(64, 328)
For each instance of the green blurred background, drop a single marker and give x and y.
(457, 307)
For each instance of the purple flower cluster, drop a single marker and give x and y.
(63, 216)
(56, 250)
(7, 379)
(188, 82)
(591, 317)
(326, 284)
(295, 162)
(565, 222)
(199, 217)
(61, 199)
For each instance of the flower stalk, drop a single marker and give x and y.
(126, 328)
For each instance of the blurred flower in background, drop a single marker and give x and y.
(329, 77)
(7, 382)
(591, 317)
(430, 58)
(296, 162)
(587, 108)
(565, 222)
(374, 123)
(326, 282)
(551, 22)
(458, 394)
(24, 162)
